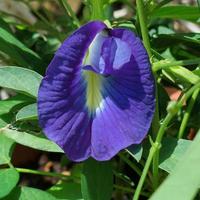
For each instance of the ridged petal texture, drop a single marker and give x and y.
(97, 96)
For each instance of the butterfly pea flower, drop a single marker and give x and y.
(97, 96)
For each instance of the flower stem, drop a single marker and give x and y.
(143, 26)
(154, 151)
(161, 65)
(97, 10)
(187, 113)
(144, 30)
(144, 173)
(30, 171)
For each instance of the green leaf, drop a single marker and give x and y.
(135, 151)
(27, 113)
(177, 12)
(175, 39)
(197, 72)
(184, 181)
(6, 147)
(171, 152)
(17, 51)
(182, 74)
(6, 119)
(5, 25)
(97, 180)
(28, 193)
(20, 79)
(30, 140)
(66, 191)
(8, 104)
(198, 2)
(9, 178)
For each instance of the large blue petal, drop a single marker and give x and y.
(128, 102)
(62, 95)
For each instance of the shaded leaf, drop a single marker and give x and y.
(8, 104)
(97, 180)
(177, 12)
(26, 193)
(27, 113)
(171, 152)
(135, 151)
(5, 25)
(6, 147)
(66, 191)
(30, 140)
(17, 51)
(20, 79)
(9, 178)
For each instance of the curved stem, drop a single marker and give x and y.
(144, 30)
(187, 113)
(31, 171)
(144, 173)
(165, 64)
(154, 151)
(143, 25)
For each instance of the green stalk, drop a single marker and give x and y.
(42, 173)
(165, 64)
(187, 113)
(144, 30)
(154, 151)
(144, 173)
(143, 26)
(97, 10)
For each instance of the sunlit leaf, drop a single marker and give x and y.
(9, 178)
(25, 193)
(30, 140)
(20, 79)
(183, 183)
(27, 113)
(6, 147)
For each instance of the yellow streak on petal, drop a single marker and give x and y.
(93, 95)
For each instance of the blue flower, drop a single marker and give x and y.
(97, 96)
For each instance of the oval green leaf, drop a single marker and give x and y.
(9, 179)
(30, 140)
(28, 193)
(27, 113)
(20, 79)
(6, 147)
